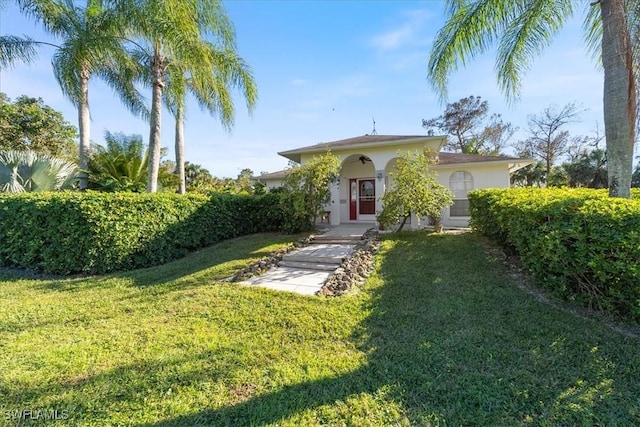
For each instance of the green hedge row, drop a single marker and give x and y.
(579, 243)
(66, 233)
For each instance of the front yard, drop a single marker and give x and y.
(440, 335)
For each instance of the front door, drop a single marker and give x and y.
(367, 197)
(353, 199)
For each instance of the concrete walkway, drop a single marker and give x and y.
(304, 270)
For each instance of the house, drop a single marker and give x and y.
(368, 161)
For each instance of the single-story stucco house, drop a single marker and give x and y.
(366, 164)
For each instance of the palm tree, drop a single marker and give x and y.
(91, 45)
(120, 166)
(523, 29)
(26, 171)
(173, 32)
(212, 91)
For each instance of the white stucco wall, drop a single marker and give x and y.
(485, 175)
(272, 183)
(492, 174)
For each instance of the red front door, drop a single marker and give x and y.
(353, 199)
(367, 196)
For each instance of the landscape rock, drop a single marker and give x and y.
(355, 269)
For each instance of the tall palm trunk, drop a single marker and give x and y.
(619, 96)
(155, 122)
(84, 129)
(182, 187)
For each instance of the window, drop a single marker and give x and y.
(460, 183)
(459, 208)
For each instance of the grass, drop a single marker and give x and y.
(439, 336)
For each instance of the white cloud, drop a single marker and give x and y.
(393, 39)
(406, 34)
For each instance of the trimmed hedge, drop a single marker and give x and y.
(578, 243)
(66, 233)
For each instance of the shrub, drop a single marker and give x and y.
(577, 242)
(415, 190)
(308, 185)
(97, 232)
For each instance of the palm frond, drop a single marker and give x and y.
(14, 49)
(22, 171)
(472, 27)
(525, 37)
(592, 26)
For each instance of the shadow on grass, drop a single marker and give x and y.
(453, 342)
(449, 340)
(221, 260)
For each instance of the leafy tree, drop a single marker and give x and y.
(533, 175)
(224, 185)
(522, 29)
(29, 124)
(308, 187)
(259, 188)
(469, 128)
(547, 140)
(198, 179)
(91, 44)
(244, 181)
(26, 171)
(558, 177)
(168, 180)
(415, 190)
(589, 170)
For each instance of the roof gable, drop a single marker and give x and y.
(359, 142)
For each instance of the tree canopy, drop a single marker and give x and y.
(415, 190)
(548, 140)
(29, 124)
(470, 128)
(309, 187)
(89, 42)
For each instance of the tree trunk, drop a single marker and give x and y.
(619, 96)
(404, 221)
(84, 128)
(182, 185)
(155, 123)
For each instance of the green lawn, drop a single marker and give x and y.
(438, 336)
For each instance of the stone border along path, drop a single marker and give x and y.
(329, 265)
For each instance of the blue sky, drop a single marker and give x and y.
(325, 70)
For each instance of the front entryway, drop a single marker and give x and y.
(362, 199)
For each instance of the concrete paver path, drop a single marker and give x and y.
(305, 270)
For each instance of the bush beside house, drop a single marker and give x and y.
(578, 243)
(66, 233)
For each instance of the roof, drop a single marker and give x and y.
(357, 142)
(445, 158)
(450, 159)
(272, 175)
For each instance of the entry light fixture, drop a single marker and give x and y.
(379, 175)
